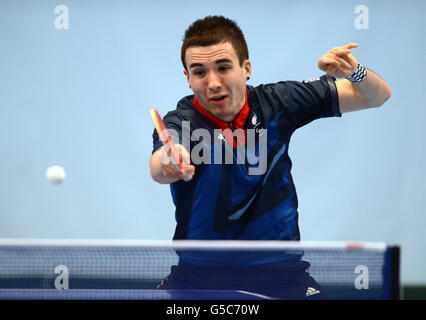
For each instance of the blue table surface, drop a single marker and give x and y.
(126, 294)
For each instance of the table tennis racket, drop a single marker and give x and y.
(166, 138)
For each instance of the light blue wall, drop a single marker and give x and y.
(80, 98)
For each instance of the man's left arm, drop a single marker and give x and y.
(372, 91)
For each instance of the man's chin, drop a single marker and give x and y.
(223, 112)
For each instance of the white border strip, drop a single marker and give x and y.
(258, 295)
(196, 244)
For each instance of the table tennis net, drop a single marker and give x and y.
(343, 270)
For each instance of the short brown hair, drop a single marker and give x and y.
(213, 30)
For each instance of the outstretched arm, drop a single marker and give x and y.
(372, 92)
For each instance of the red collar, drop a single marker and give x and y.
(238, 122)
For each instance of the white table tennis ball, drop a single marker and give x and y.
(55, 174)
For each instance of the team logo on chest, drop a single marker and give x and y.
(257, 125)
(254, 120)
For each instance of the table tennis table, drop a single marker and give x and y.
(131, 270)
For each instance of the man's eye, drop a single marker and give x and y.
(199, 73)
(224, 68)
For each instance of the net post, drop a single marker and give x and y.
(391, 273)
(395, 279)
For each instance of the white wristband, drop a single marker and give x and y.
(359, 75)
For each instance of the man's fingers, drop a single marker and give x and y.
(326, 62)
(186, 173)
(339, 61)
(343, 64)
(341, 52)
(344, 50)
(164, 155)
(180, 151)
(334, 60)
(183, 154)
(351, 45)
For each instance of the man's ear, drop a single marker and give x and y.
(247, 68)
(187, 76)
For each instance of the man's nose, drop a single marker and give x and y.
(214, 81)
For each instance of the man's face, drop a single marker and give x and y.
(217, 79)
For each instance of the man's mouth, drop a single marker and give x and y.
(219, 99)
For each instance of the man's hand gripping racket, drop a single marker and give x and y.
(174, 157)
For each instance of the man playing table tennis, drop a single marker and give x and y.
(247, 200)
